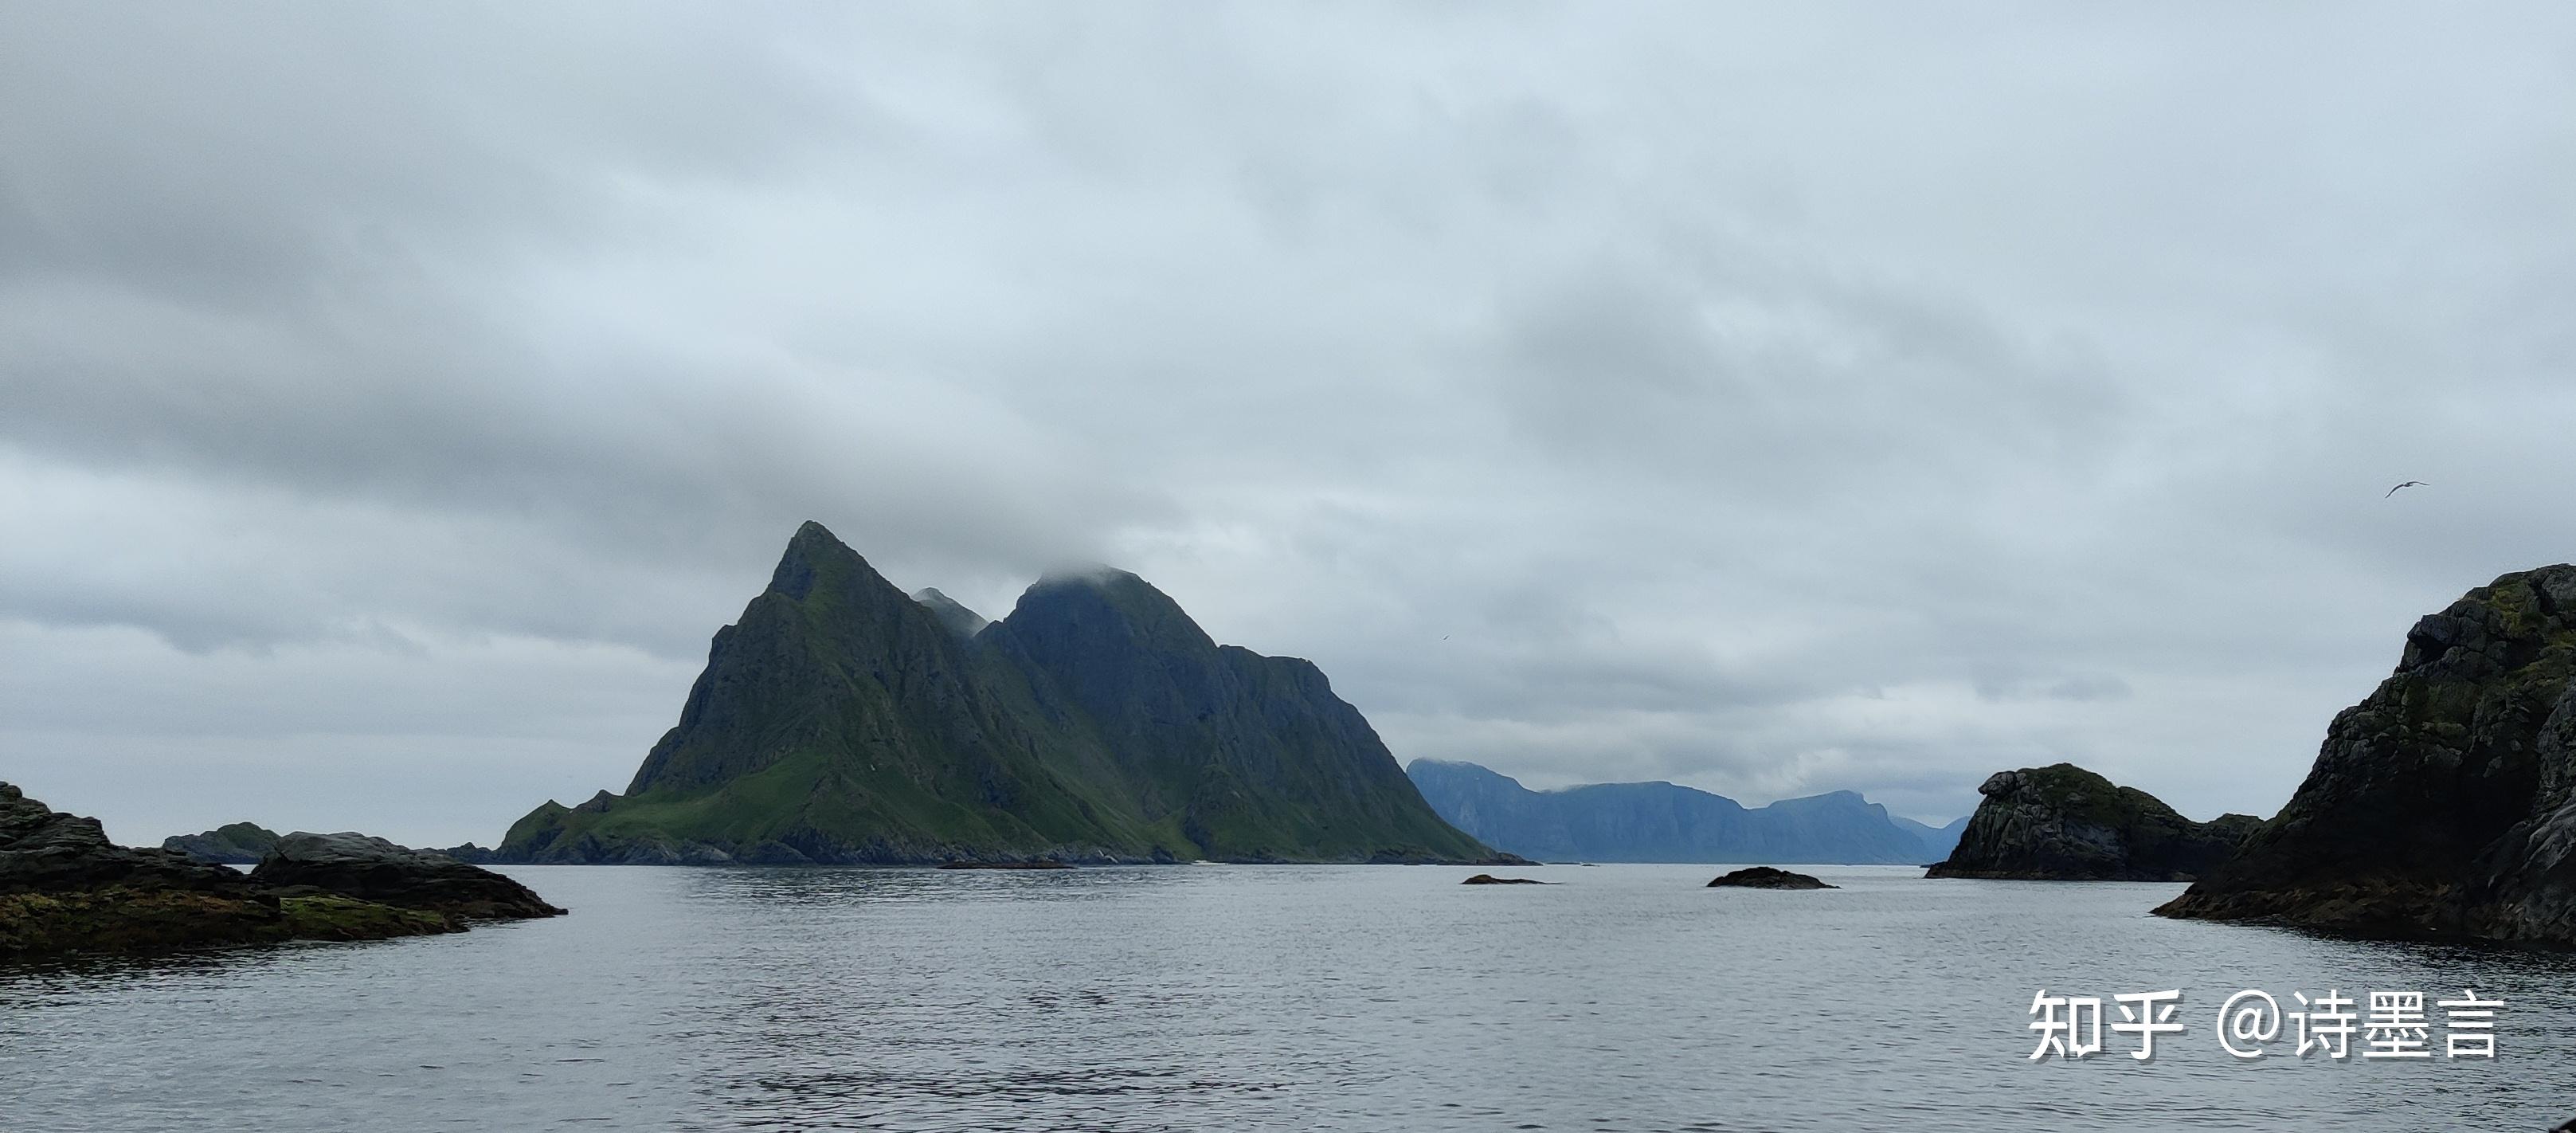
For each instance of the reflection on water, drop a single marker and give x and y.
(1358, 998)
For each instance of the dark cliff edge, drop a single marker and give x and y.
(841, 721)
(2444, 804)
(66, 890)
(2064, 823)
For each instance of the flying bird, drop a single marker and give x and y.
(2408, 484)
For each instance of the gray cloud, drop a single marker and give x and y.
(392, 402)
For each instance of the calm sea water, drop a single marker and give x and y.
(1231, 998)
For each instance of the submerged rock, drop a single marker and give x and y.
(372, 869)
(1490, 879)
(2443, 804)
(1765, 877)
(2064, 823)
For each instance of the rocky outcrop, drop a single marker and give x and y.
(2443, 804)
(1765, 877)
(1666, 822)
(64, 888)
(2064, 823)
(372, 869)
(244, 843)
(240, 843)
(46, 851)
(841, 721)
(1490, 879)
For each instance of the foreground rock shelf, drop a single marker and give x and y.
(65, 889)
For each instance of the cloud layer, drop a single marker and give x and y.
(393, 400)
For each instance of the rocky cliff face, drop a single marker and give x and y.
(2443, 804)
(1664, 822)
(2065, 823)
(842, 721)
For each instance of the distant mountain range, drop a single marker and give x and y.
(1664, 822)
(842, 721)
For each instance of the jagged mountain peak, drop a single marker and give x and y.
(1105, 604)
(815, 556)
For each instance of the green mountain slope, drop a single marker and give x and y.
(841, 721)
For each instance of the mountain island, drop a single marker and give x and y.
(843, 721)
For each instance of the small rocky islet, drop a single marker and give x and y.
(1767, 877)
(2064, 823)
(65, 889)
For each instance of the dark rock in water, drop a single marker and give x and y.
(1765, 877)
(839, 721)
(1006, 865)
(64, 888)
(2443, 804)
(2063, 823)
(372, 869)
(240, 843)
(1490, 879)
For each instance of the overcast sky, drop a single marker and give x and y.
(1774, 399)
